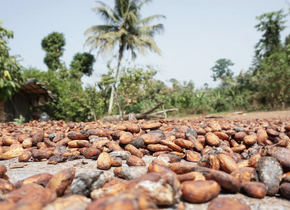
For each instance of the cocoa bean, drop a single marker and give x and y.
(104, 161)
(285, 190)
(133, 150)
(6, 186)
(254, 189)
(191, 176)
(227, 164)
(41, 179)
(199, 191)
(269, 172)
(135, 161)
(211, 139)
(83, 135)
(243, 174)
(25, 156)
(61, 181)
(3, 170)
(126, 138)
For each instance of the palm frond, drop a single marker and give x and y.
(100, 29)
(143, 3)
(120, 6)
(147, 20)
(151, 30)
(109, 9)
(150, 43)
(124, 26)
(106, 15)
(132, 17)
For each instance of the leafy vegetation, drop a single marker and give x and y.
(53, 45)
(264, 86)
(19, 120)
(10, 70)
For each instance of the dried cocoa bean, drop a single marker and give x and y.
(254, 189)
(104, 161)
(61, 181)
(200, 191)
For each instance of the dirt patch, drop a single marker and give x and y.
(244, 115)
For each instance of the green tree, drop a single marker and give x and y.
(125, 27)
(73, 103)
(53, 45)
(82, 64)
(10, 70)
(271, 62)
(271, 25)
(222, 71)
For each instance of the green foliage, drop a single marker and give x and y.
(73, 103)
(124, 27)
(82, 64)
(53, 45)
(19, 120)
(271, 24)
(264, 86)
(10, 70)
(222, 71)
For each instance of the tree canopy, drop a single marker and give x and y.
(10, 70)
(82, 64)
(53, 45)
(124, 28)
(222, 71)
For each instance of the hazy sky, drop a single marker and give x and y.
(197, 33)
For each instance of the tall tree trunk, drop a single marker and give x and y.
(121, 50)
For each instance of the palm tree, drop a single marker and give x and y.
(125, 28)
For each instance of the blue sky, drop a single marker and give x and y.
(197, 33)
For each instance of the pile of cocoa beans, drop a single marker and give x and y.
(195, 160)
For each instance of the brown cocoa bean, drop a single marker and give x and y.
(227, 164)
(192, 156)
(151, 126)
(200, 191)
(171, 145)
(133, 128)
(126, 138)
(191, 176)
(104, 161)
(133, 160)
(285, 190)
(82, 135)
(41, 179)
(181, 168)
(25, 156)
(254, 189)
(91, 153)
(6, 186)
(37, 137)
(3, 170)
(250, 140)
(116, 161)
(133, 150)
(61, 181)
(243, 174)
(184, 143)
(211, 139)
(158, 147)
(261, 136)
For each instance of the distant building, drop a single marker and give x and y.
(30, 94)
